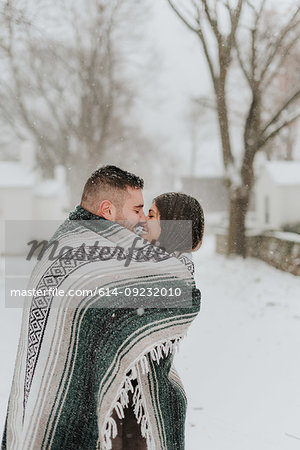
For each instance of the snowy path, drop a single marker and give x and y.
(240, 362)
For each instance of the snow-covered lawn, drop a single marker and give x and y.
(240, 362)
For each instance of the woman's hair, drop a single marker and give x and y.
(175, 206)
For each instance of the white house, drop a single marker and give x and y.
(26, 199)
(277, 194)
(209, 190)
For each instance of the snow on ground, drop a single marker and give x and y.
(239, 363)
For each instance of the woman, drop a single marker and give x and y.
(175, 222)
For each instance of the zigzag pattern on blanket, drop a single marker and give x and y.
(83, 353)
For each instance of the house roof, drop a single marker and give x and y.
(284, 173)
(13, 174)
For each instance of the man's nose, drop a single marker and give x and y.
(142, 216)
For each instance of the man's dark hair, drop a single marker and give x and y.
(108, 183)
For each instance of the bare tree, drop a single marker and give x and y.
(283, 146)
(64, 84)
(226, 30)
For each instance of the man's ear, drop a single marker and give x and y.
(107, 210)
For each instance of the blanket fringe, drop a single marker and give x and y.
(157, 352)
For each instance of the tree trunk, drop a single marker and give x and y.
(45, 162)
(237, 222)
(239, 203)
(223, 121)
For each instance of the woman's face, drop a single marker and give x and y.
(153, 224)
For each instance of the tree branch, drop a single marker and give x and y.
(208, 59)
(281, 109)
(260, 12)
(190, 26)
(242, 64)
(213, 23)
(276, 131)
(206, 102)
(253, 56)
(234, 18)
(285, 30)
(201, 36)
(281, 60)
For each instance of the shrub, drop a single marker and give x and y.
(292, 227)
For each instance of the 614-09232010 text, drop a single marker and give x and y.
(127, 292)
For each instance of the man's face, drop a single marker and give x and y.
(131, 212)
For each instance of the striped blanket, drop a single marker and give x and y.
(105, 319)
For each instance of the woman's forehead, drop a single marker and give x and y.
(153, 208)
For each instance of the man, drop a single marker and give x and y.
(116, 195)
(96, 361)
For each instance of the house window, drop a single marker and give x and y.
(267, 210)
